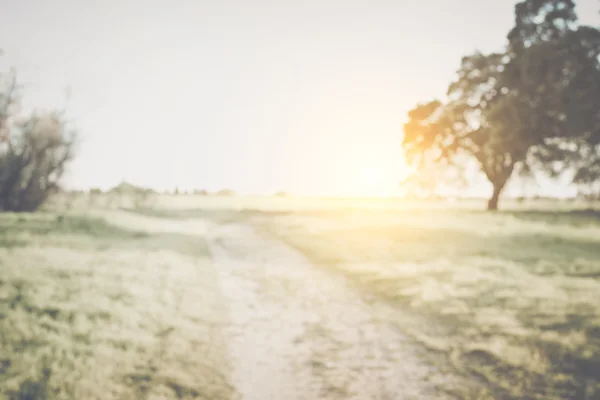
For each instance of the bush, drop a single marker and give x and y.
(34, 151)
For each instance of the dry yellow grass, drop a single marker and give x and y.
(510, 298)
(116, 304)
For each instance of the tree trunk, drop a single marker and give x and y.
(492, 204)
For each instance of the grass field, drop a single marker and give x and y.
(510, 298)
(119, 305)
(89, 310)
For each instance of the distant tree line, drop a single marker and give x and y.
(532, 107)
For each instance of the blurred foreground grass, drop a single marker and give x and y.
(511, 298)
(89, 310)
(126, 305)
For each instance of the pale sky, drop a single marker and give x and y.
(259, 96)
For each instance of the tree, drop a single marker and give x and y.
(533, 106)
(143, 197)
(587, 171)
(94, 195)
(555, 63)
(34, 151)
(139, 197)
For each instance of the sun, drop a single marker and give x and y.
(373, 182)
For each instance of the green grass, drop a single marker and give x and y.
(44, 223)
(92, 310)
(510, 298)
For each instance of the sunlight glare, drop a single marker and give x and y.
(373, 182)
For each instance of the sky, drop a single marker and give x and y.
(307, 97)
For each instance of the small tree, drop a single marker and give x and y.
(143, 197)
(94, 195)
(34, 151)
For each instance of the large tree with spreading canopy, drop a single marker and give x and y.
(533, 106)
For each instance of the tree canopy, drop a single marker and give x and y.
(533, 106)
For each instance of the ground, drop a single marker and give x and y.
(338, 303)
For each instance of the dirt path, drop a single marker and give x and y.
(297, 332)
